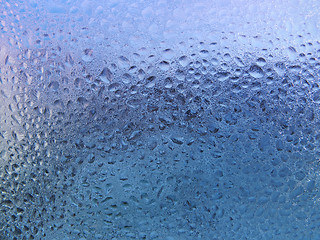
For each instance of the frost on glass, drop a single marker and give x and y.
(159, 120)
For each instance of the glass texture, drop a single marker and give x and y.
(164, 120)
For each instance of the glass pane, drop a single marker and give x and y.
(159, 119)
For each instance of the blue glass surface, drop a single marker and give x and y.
(164, 120)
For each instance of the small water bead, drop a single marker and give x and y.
(255, 71)
(164, 66)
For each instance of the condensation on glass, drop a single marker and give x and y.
(159, 119)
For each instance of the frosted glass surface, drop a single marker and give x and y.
(164, 120)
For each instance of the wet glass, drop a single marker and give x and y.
(164, 120)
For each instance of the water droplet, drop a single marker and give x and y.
(87, 57)
(256, 72)
(183, 61)
(106, 75)
(164, 66)
(261, 62)
(177, 140)
(280, 68)
(222, 76)
(54, 85)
